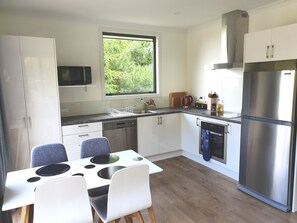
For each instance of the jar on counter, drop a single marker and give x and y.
(219, 107)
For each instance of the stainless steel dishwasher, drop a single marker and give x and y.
(122, 134)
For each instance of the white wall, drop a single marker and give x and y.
(203, 48)
(77, 43)
(183, 55)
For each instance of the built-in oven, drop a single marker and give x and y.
(213, 141)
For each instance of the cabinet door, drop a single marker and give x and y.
(233, 146)
(41, 89)
(169, 132)
(13, 101)
(147, 135)
(190, 133)
(284, 41)
(256, 46)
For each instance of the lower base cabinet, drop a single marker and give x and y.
(190, 142)
(159, 134)
(190, 131)
(73, 135)
(233, 146)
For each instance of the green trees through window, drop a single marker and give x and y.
(129, 64)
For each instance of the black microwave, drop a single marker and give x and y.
(74, 75)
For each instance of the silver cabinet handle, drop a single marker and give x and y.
(80, 126)
(267, 51)
(25, 123)
(83, 135)
(197, 122)
(159, 120)
(30, 123)
(229, 129)
(272, 51)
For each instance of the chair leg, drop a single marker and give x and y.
(138, 217)
(128, 219)
(152, 214)
(117, 220)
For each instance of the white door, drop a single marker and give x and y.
(41, 89)
(233, 146)
(169, 132)
(257, 46)
(190, 133)
(148, 135)
(13, 97)
(284, 41)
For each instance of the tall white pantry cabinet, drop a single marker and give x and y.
(29, 96)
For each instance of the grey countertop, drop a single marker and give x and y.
(80, 119)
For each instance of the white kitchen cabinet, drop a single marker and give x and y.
(148, 135)
(233, 146)
(29, 91)
(73, 135)
(158, 134)
(271, 45)
(190, 133)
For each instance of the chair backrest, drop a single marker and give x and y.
(129, 192)
(94, 147)
(62, 200)
(48, 154)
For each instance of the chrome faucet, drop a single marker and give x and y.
(145, 104)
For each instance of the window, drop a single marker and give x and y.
(129, 64)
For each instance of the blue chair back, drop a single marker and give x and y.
(48, 154)
(94, 147)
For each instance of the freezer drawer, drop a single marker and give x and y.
(266, 158)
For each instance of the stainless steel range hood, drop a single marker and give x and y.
(234, 26)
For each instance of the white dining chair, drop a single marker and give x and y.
(129, 193)
(62, 200)
(47, 154)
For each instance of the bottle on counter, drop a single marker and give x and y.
(219, 107)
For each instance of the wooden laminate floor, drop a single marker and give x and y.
(187, 192)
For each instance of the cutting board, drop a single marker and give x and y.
(175, 99)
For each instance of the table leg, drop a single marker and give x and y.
(27, 214)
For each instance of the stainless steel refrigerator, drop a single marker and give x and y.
(268, 132)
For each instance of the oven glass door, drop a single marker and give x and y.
(213, 138)
(216, 144)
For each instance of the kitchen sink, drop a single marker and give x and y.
(118, 113)
(144, 112)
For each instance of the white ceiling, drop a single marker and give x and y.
(164, 13)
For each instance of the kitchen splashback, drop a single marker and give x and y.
(96, 107)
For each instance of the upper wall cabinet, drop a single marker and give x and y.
(29, 96)
(271, 45)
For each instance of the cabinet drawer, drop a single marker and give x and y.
(77, 138)
(82, 128)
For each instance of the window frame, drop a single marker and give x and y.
(136, 34)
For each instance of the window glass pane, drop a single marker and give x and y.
(129, 64)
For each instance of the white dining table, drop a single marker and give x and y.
(20, 193)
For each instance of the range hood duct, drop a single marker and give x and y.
(234, 26)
